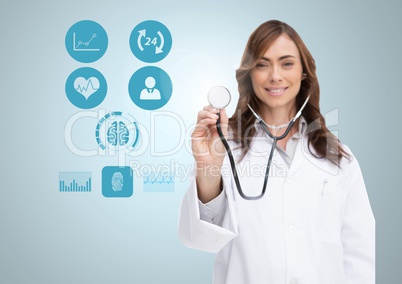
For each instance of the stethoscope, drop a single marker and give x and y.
(219, 97)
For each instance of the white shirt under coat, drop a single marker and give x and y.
(314, 224)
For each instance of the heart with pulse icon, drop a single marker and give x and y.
(86, 87)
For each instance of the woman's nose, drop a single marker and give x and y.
(275, 75)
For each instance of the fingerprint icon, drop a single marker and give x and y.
(117, 181)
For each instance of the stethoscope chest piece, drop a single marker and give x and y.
(219, 97)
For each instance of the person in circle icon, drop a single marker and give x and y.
(150, 92)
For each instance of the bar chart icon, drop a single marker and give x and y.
(75, 181)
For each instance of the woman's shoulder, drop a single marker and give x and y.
(338, 164)
(348, 160)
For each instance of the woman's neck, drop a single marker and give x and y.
(277, 116)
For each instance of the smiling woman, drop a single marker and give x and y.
(275, 58)
(276, 80)
(314, 224)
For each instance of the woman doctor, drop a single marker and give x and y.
(314, 225)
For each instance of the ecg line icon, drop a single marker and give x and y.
(80, 43)
(89, 85)
(158, 181)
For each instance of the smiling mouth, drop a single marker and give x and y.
(276, 91)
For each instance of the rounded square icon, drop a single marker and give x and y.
(150, 88)
(150, 41)
(117, 181)
(86, 88)
(86, 41)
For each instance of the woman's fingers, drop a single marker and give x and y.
(224, 117)
(210, 108)
(206, 144)
(207, 119)
(207, 114)
(204, 128)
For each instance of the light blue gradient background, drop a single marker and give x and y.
(51, 237)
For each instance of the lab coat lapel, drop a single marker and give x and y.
(303, 157)
(299, 156)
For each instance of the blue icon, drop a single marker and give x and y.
(150, 88)
(150, 41)
(117, 131)
(86, 41)
(117, 181)
(117, 134)
(86, 88)
(75, 181)
(158, 183)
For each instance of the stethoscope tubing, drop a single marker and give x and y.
(233, 163)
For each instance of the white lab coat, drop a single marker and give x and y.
(313, 226)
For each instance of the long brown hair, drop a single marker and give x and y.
(325, 144)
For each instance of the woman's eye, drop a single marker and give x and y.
(288, 64)
(261, 65)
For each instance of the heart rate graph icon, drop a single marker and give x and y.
(86, 87)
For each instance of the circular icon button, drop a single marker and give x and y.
(150, 88)
(86, 41)
(86, 88)
(150, 41)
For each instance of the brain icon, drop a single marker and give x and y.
(118, 134)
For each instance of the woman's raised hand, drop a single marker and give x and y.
(208, 151)
(207, 147)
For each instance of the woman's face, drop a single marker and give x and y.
(276, 78)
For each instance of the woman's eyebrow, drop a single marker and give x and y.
(280, 58)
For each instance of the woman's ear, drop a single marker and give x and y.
(304, 75)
